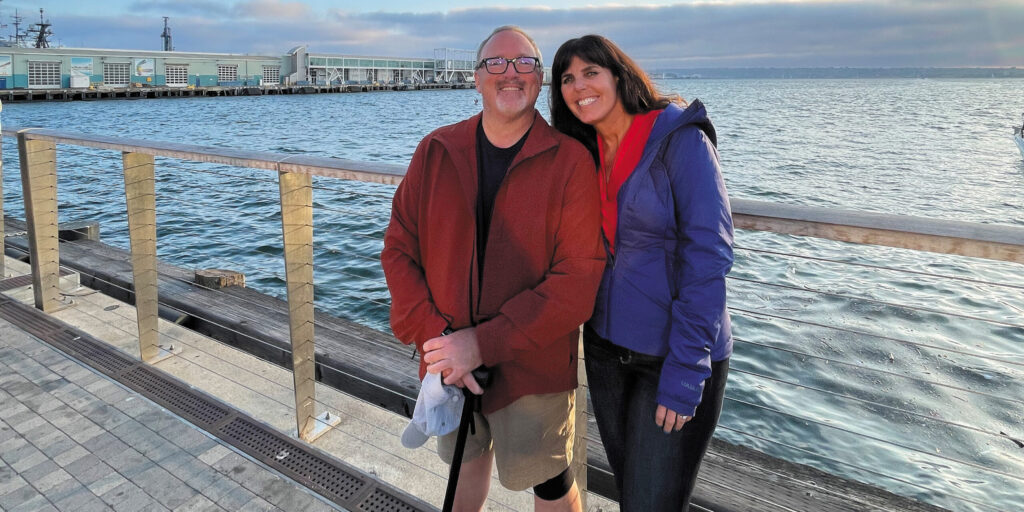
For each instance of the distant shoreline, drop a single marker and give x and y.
(839, 72)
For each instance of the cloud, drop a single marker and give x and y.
(271, 9)
(181, 8)
(781, 33)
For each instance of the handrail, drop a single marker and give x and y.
(990, 241)
(373, 172)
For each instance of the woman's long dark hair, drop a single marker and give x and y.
(635, 88)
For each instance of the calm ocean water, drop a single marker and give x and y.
(899, 369)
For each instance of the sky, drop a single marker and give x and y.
(658, 34)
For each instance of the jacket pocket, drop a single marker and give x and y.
(670, 267)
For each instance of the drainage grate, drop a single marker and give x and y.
(25, 317)
(174, 396)
(294, 460)
(24, 280)
(383, 501)
(15, 282)
(86, 348)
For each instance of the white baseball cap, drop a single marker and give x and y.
(438, 411)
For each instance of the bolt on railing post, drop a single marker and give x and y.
(140, 199)
(297, 231)
(38, 160)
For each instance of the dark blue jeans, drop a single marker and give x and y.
(653, 470)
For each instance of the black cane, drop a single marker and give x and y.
(483, 377)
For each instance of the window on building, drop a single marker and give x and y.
(271, 75)
(176, 74)
(44, 74)
(227, 73)
(116, 73)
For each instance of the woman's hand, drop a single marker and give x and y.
(668, 420)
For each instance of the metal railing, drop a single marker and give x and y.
(37, 150)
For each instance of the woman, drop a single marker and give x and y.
(658, 345)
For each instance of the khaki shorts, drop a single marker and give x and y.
(532, 439)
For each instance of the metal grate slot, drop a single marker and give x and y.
(26, 318)
(88, 349)
(24, 280)
(175, 397)
(15, 282)
(383, 501)
(294, 460)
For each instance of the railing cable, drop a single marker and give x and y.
(881, 371)
(869, 402)
(876, 301)
(873, 335)
(854, 466)
(880, 267)
(878, 439)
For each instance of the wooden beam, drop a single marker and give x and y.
(38, 160)
(140, 199)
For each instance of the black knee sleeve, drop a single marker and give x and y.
(556, 487)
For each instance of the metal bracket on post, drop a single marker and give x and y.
(297, 230)
(39, 186)
(140, 199)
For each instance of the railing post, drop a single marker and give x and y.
(38, 160)
(3, 259)
(579, 448)
(297, 230)
(140, 198)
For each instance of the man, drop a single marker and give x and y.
(493, 256)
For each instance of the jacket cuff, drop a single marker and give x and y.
(432, 328)
(493, 338)
(676, 392)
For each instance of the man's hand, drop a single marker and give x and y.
(668, 420)
(455, 356)
(470, 383)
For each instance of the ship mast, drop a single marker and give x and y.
(166, 36)
(42, 31)
(18, 36)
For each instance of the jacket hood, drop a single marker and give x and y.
(675, 117)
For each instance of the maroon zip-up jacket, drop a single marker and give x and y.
(542, 267)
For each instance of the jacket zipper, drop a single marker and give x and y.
(475, 305)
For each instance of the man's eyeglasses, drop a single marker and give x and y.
(498, 65)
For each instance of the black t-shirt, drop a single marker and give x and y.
(492, 165)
